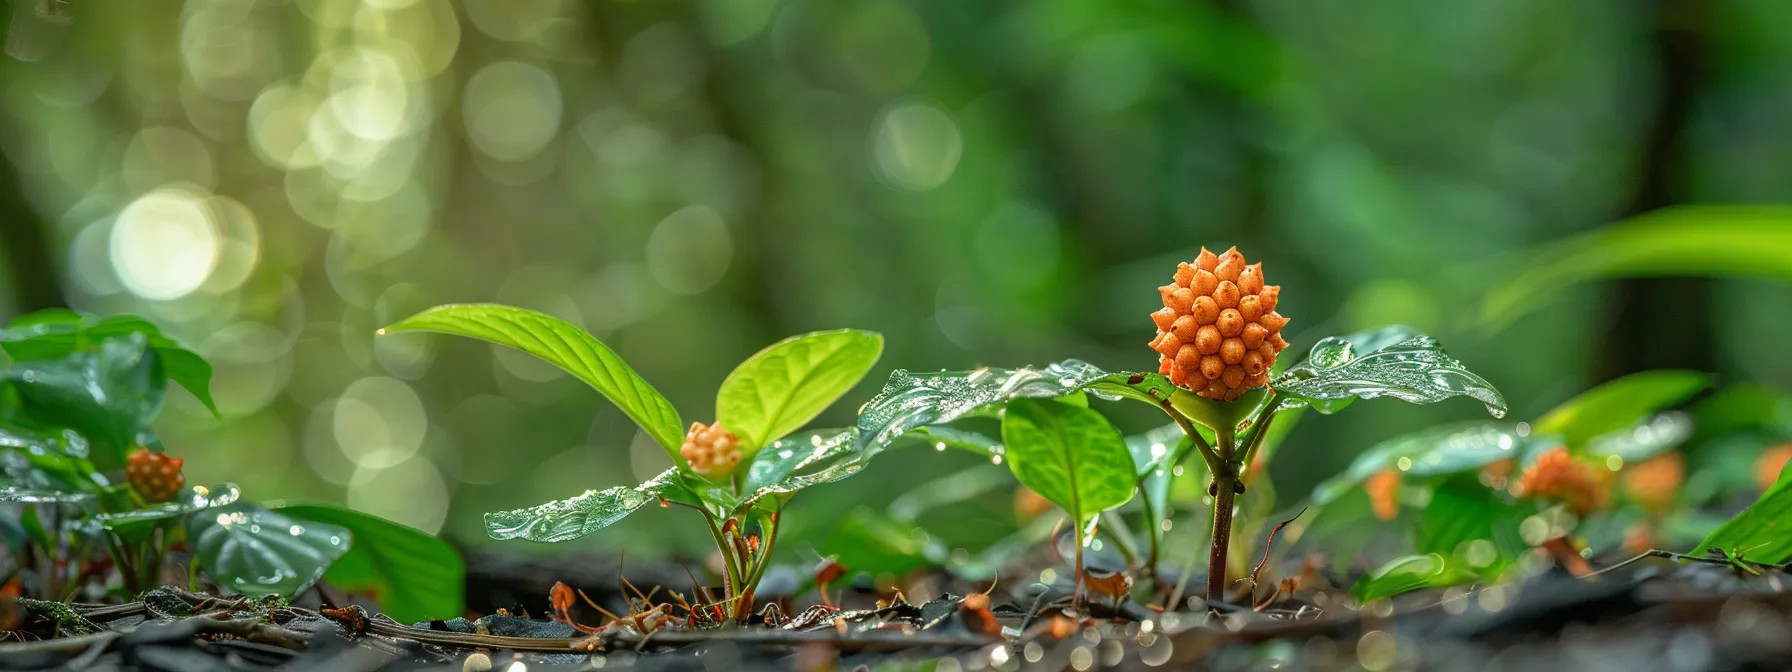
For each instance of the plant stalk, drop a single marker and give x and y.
(1225, 491)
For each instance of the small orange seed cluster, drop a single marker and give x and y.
(1218, 332)
(1770, 463)
(1557, 475)
(1384, 493)
(1654, 482)
(155, 476)
(711, 450)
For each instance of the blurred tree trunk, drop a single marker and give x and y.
(24, 249)
(1666, 322)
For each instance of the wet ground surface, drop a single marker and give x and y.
(1655, 615)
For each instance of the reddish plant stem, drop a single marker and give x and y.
(1225, 490)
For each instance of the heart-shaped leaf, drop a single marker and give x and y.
(575, 517)
(564, 345)
(783, 387)
(1619, 404)
(108, 394)
(138, 523)
(1415, 370)
(52, 334)
(413, 575)
(912, 400)
(1070, 455)
(1443, 449)
(257, 552)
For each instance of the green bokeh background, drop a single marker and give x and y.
(986, 183)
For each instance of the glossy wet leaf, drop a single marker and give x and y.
(256, 552)
(45, 460)
(53, 334)
(1407, 574)
(1415, 370)
(910, 400)
(564, 345)
(942, 437)
(575, 517)
(1619, 404)
(137, 523)
(1433, 451)
(1688, 240)
(783, 387)
(1763, 531)
(413, 575)
(1644, 440)
(31, 495)
(108, 394)
(1069, 455)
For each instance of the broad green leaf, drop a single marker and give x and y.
(1473, 525)
(1433, 451)
(564, 345)
(55, 333)
(873, 542)
(138, 523)
(1763, 531)
(1733, 409)
(943, 437)
(783, 387)
(1410, 573)
(1069, 455)
(912, 400)
(257, 552)
(1689, 240)
(774, 467)
(1619, 404)
(575, 517)
(108, 395)
(30, 495)
(413, 575)
(1643, 440)
(1157, 448)
(1415, 370)
(44, 461)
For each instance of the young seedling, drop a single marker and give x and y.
(1218, 340)
(737, 472)
(77, 452)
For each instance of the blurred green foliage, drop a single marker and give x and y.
(992, 184)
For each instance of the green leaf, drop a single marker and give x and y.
(1763, 531)
(30, 495)
(1619, 404)
(1443, 449)
(47, 462)
(1409, 573)
(783, 387)
(575, 517)
(1643, 440)
(1069, 455)
(138, 523)
(1690, 240)
(564, 345)
(108, 395)
(257, 552)
(53, 334)
(1471, 524)
(414, 576)
(869, 541)
(1415, 370)
(912, 400)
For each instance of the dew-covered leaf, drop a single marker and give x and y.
(413, 575)
(1415, 370)
(257, 552)
(1072, 456)
(31, 495)
(108, 394)
(564, 345)
(53, 334)
(1433, 451)
(783, 387)
(575, 517)
(911, 400)
(137, 523)
(1643, 440)
(1619, 404)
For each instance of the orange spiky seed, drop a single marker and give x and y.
(1384, 493)
(1220, 318)
(155, 476)
(711, 450)
(1654, 482)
